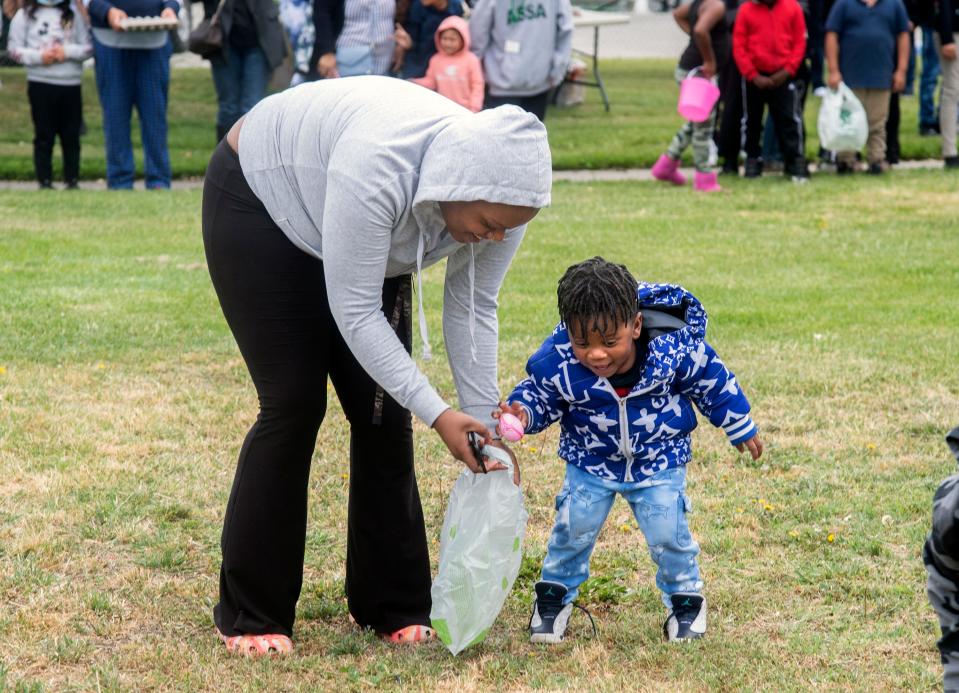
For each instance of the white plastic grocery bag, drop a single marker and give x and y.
(842, 121)
(480, 553)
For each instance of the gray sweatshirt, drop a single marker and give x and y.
(525, 45)
(352, 169)
(30, 37)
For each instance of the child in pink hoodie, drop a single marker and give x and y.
(453, 71)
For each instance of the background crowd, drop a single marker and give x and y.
(766, 56)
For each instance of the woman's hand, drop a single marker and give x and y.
(114, 18)
(168, 13)
(502, 445)
(453, 427)
(326, 66)
(402, 38)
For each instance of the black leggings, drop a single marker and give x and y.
(57, 110)
(273, 296)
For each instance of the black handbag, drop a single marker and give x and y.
(207, 39)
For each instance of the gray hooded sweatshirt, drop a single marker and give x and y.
(525, 45)
(352, 170)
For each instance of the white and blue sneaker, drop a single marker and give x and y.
(687, 619)
(550, 616)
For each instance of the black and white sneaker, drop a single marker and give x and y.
(687, 618)
(550, 616)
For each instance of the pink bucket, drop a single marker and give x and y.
(697, 96)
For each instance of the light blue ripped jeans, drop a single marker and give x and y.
(660, 505)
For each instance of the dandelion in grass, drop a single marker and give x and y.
(830, 537)
(794, 533)
(3, 370)
(870, 446)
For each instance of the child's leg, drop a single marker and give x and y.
(682, 139)
(684, 136)
(581, 509)
(43, 109)
(785, 107)
(660, 510)
(753, 105)
(702, 135)
(71, 116)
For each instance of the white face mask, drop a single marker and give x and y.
(49, 3)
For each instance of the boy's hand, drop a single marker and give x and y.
(709, 69)
(762, 82)
(834, 80)
(514, 408)
(754, 445)
(779, 78)
(948, 51)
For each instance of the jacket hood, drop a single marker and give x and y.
(676, 323)
(458, 24)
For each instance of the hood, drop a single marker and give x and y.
(460, 25)
(675, 321)
(498, 155)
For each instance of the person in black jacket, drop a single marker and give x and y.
(253, 47)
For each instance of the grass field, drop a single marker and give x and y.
(123, 402)
(633, 133)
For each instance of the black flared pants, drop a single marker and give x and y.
(273, 296)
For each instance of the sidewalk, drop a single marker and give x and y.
(576, 176)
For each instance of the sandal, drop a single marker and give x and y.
(250, 645)
(411, 635)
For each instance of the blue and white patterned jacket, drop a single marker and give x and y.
(630, 438)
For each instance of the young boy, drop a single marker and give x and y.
(621, 373)
(454, 72)
(941, 556)
(867, 47)
(769, 44)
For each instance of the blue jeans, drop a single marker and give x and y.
(128, 77)
(240, 78)
(928, 78)
(660, 505)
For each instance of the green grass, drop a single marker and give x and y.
(633, 134)
(123, 402)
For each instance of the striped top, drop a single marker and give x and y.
(370, 23)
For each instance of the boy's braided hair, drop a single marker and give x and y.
(597, 295)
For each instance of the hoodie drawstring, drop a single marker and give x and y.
(472, 320)
(427, 353)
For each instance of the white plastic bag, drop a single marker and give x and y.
(842, 121)
(480, 554)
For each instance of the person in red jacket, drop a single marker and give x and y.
(769, 43)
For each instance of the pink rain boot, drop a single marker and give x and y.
(666, 169)
(706, 182)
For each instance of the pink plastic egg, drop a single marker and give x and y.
(510, 427)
